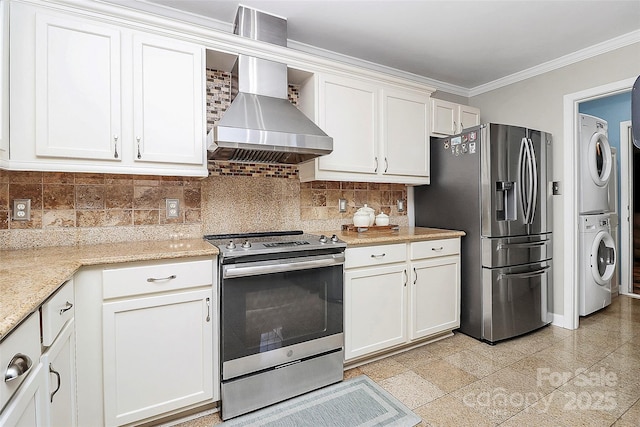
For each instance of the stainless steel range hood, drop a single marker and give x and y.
(261, 125)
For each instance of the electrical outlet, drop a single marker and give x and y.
(400, 205)
(173, 208)
(22, 209)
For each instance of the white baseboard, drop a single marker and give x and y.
(558, 320)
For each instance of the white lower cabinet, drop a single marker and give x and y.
(26, 409)
(158, 323)
(59, 365)
(375, 301)
(399, 294)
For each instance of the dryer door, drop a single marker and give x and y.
(603, 258)
(599, 159)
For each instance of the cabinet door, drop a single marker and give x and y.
(60, 365)
(157, 354)
(405, 133)
(435, 296)
(168, 99)
(77, 73)
(348, 113)
(469, 117)
(374, 309)
(444, 115)
(26, 408)
(4, 80)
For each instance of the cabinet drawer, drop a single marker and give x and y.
(375, 255)
(56, 312)
(434, 248)
(25, 341)
(149, 279)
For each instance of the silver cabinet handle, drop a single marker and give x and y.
(416, 275)
(208, 310)
(406, 278)
(378, 256)
(18, 366)
(68, 306)
(437, 249)
(115, 146)
(153, 279)
(376, 169)
(386, 165)
(138, 141)
(57, 374)
(454, 126)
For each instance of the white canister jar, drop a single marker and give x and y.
(382, 219)
(361, 219)
(370, 212)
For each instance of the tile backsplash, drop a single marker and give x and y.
(81, 208)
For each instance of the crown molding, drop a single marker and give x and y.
(563, 61)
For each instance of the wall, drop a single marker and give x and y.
(76, 208)
(538, 103)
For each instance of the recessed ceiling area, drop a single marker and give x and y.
(461, 43)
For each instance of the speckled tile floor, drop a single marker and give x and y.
(553, 377)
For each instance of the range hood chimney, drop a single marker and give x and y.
(261, 125)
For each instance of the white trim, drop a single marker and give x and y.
(580, 55)
(570, 176)
(624, 216)
(558, 320)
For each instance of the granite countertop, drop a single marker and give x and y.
(29, 276)
(403, 235)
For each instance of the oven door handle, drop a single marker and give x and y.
(281, 266)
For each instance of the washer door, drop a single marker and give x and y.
(599, 159)
(603, 258)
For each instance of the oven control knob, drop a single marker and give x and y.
(231, 245)
(334, 238)
(246, 244)
(323, 239)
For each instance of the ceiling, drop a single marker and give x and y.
(465, 44)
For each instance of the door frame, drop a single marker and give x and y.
(571, 102)
(624, 216)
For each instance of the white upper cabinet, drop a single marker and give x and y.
(449, 118)
(4, 82)
(405, 133)
(380, 131)
(168, 88)
(348, 112)
(77, 82)
(106, 98)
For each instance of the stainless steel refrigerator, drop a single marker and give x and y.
(493, 182)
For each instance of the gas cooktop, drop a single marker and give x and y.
(271, 242)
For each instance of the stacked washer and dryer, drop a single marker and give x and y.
(597, 247)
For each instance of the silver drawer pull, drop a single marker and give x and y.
(19, 365)
(57, 374)
(153, 279)
(68, 306)
(438, 249)
(378, 256)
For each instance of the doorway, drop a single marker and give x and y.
(630, 212)
(570, 318)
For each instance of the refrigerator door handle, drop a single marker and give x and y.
(522, 177)
(526, 275)
(502, 246)
(534, 181)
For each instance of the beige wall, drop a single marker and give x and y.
(538, 103)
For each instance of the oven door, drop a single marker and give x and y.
(281, 311)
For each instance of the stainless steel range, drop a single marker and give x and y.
(281, 316)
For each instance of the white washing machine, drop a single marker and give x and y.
(597, 262)
(595, 164)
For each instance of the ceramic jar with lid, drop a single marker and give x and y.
(382, 219)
